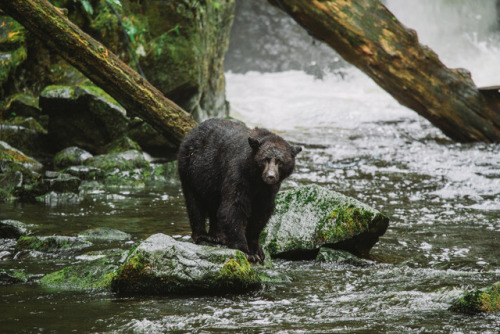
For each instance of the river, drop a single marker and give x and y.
(443, 199)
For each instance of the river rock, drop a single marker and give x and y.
(104, 233)
(51, 244)
(96, 274)
(309, 217)
(122, 144)
(17, 171)
(12, 229)
(128, 168)
(12, 276)
(485, 300)
(342, 257)
(11, 154)
(82, 116)
(22, 105)
(121, 161)
(23, 138)
(70, 156)
(163, 266)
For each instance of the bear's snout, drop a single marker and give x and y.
(271, 172)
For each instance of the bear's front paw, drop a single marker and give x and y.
(254, 258)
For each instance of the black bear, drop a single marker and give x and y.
(230, 175)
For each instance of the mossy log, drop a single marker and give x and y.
(366, 34)
(101, 66)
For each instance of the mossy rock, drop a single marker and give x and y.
(309, 217)
(123, 169)
(70, 156)
(121, 161)
(21, 105)
(122, 144)
(51, 244)
(13, 276)
(89, 275)
(163, 266)
(9, 153)
(479, 301)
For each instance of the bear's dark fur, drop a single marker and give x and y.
(231, 175)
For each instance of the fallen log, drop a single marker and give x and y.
(101, 66)
(366, 34)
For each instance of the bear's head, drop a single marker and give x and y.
(273, 155)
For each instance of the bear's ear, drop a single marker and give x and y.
(296, 150)
(254, 143)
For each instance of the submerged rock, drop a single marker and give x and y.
(310, 217)
(104, 233)
(479, 301)
(12, 276)
(51, 244)
(326, 254)
(89, 275)
(163, 266)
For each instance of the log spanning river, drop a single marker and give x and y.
(443, 199)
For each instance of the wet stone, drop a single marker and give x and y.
(104, 233)
(309, 217)
(51, 244)
(12, 229)
(86, 173)
(12, 276)
(70, 156)
(163, 266)
(326, 254)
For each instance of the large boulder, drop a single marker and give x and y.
(163, 266)
(179, 45)
(82, 116)
(310, 217)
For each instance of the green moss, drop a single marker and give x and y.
(95, 275)
(344, 221)
(237, 273)
(479, 301)
(48, 244)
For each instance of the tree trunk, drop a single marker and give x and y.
(367, 35)
(101, 66)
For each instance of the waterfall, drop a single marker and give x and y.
(464, 33)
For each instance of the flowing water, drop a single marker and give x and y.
(443, 199)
